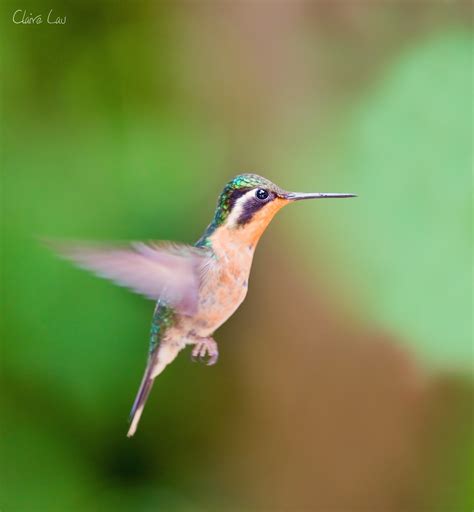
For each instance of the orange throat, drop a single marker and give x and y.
(249, 234)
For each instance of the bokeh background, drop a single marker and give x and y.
(345, 379)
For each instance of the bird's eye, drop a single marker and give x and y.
(261, 194)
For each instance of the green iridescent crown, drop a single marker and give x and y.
(242, 183)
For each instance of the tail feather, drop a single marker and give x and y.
(158, 361)
(140, 400)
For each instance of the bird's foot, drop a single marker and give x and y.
(205, 348)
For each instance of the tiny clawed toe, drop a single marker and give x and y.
(212, 360)
(205, 353)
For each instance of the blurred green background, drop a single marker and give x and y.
(345, 379)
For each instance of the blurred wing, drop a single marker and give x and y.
(169, 272)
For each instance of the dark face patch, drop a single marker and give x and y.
(251, 206)
(236, 194)
(233, 190)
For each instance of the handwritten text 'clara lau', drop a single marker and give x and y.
(21, 17)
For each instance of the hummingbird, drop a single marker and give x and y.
(196, 287)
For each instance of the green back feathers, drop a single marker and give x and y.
(163, 317)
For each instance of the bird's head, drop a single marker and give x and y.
(248, 203)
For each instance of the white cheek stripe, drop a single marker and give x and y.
(238, 208)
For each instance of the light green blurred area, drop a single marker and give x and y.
(406, 148)
(124, 124)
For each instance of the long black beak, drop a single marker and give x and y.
(298, 196)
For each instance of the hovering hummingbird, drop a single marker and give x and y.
(196, 288)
